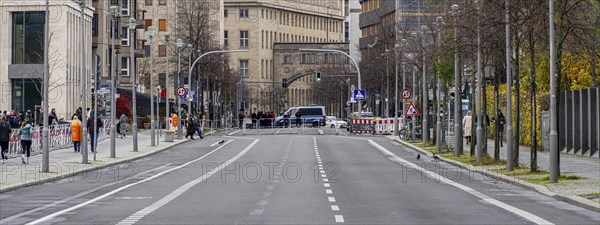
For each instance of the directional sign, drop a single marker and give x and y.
(181, 91)
(359, 95)
(406, 94)
(412, 111)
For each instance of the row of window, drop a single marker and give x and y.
(293, 19)
(162, 24)
(369, 5)
(270, 37)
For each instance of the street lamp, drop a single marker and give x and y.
(554, 153)
(458, 144)
(425, 129)
(132, 62)
(438, 142)
(179, 47)
(167, 36)
(351, 60)
(151, 33)
(509, 128)
(189, 92)
(198, 59)
(479, 130)
(113, 89)
(84, 155)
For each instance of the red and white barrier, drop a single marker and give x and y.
(382, 126)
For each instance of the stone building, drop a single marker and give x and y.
(22, 54)
(256, 25)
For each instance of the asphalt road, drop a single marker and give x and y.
(285, 176)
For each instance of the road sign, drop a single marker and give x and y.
(406, 94)
(412, 111)
(181, 91)
(359, 95)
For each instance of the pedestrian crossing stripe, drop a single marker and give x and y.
(412, 110)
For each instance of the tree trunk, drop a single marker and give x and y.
(533, 152)
(497, 134)
(436, 112)
(517, 124)
(593, 71)
(475, 113)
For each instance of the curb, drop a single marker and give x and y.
(571, 199)
(70, 174)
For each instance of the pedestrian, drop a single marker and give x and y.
(94, 132)
(254, 118)
(29, 115)
(467, 125)
(77, 114)
(198, 126)
(501, 121)
(76, 134)
(241, 119)
(5, 130)
(123, 125)
(298, 118)
(25, 132)
(190, 129)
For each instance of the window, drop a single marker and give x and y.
(124, 7)
(225, 13)
(28, 37)
(244, 68)
(149, 2)
(243, 13)
(125, 66)
(125, 36)
(147, 23)
(162, 2)
(95, 25)
(162, 25)
(243, 39)
(308, 58)
(162, 51)
(346, 31)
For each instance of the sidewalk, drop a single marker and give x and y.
(584, 166)
(65, 162)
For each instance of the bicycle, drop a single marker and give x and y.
(406, 133)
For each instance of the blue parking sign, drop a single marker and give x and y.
(359, 95)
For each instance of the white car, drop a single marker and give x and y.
(332, 122)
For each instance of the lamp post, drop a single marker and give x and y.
(132, 62)
(189, 92)
(45, 132)
(167, 36)
(179, 47)
(458, 144)
(438, 124)
(425, 92)
(509, 128)
(479, 131)
(113, 88)
(200, 57)
(387, 77)
(151, 31)
(84, 155)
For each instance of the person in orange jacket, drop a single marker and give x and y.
(76, 133)
(174, 120)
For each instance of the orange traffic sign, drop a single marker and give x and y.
(412, 110)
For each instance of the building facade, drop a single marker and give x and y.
(256, 25)
(22, 49)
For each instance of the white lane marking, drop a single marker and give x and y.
(331, 199)
(326, 185)
(53, 215)
(278, 132)
(328, 191)
(173, 195)
(321, 131)
(335, 208)
(132, 198)
(339, 218)
(216, 143)
(323, 175)
(321, 171)
(325, 180)
(232, 133)
(522, 213)
(50, 205)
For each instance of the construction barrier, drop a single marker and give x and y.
(369, 126)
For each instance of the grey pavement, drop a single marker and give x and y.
(293, 178)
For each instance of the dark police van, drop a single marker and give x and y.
(314, 115)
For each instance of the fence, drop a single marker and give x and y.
(579, 122)
(60, 137)
(380, 126)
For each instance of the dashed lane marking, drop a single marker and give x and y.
(339, 218)
(335, 208)
(331, 199)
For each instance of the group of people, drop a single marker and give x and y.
(467, 125)
(262, 118)
(76, 129)
(25, 131)
(15, 120)
(194, 125)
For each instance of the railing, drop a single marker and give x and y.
(60, 137)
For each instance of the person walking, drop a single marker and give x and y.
(298, 118)
(502, 121)
(76, 134)
(5, 130)
(123, 125)
(198, 127)
(190, 129)
(467, 125)
(94, 132)
(25, 132)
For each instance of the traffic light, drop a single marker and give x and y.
(318, 76)
(284, 83)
